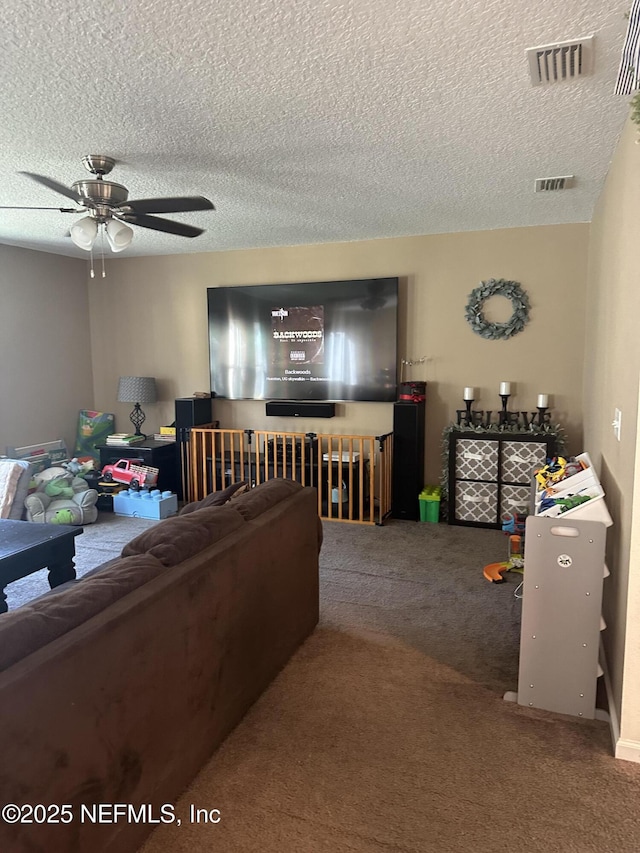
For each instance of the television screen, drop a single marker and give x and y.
(326, 340)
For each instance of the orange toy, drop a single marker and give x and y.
(494, 571)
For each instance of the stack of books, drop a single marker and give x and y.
(167, 433)
(123, 439)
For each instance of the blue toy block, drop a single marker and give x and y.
(154, 504)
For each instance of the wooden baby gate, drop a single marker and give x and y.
(352, 473)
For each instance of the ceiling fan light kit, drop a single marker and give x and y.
(84, 232)
(110, 213)
(119, 235)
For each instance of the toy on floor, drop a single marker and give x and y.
(61, 498)
(78, 467)
(514, 524)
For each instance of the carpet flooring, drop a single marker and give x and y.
(387, 730)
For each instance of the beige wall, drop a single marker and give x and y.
(612, 368)
(149, 317)
(45, 352)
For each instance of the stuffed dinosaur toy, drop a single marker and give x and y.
(59, 487)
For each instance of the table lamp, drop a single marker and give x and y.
(137, 389)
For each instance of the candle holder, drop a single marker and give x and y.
(468, 404)
(503, 416)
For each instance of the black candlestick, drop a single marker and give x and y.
(541, 414)
(468, 404)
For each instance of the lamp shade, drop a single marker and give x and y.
(119, 235)
(137, 389)
(83, 233)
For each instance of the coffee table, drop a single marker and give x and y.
(26, 547)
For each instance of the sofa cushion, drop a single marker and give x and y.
(256, 501)
(30, 627)
(182, 536)
(215, 498)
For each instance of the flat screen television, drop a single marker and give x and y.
(324, 340)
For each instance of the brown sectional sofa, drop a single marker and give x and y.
(119, 688)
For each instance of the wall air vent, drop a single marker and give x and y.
(565, 60)
(550, 184)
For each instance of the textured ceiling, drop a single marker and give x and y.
(305, 121)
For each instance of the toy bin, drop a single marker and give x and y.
(154, 504)
(429, 499)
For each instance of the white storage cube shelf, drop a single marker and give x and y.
(583, 478)
(561, 616)
(586, 483)
(564, 570)
(577, 482)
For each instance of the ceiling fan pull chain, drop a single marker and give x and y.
(102, 230)
(92, 273)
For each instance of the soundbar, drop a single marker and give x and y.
(301, 409)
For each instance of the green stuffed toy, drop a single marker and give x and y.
(59, 487)
(62, 516)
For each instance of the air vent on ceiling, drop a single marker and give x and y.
(549, 184)
(565, 60)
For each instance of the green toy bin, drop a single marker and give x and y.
(429, 499)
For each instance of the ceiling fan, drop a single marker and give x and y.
(110, 210)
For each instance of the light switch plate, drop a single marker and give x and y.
(617, 423)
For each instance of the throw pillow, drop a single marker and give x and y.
(180, 537)
(256, 501)
(215, 498)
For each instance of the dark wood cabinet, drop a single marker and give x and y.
(162, 455)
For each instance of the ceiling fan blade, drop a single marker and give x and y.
(158, 224)
(61, 209)
(179, 204)
(55, 186)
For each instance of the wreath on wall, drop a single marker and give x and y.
(497, 287)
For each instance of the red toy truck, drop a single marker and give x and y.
(130, 472)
